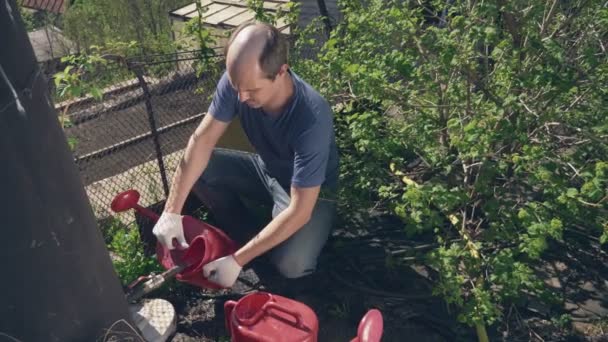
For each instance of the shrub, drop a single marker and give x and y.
(483, 123)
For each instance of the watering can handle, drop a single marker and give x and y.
(275, 306)
(253, 335)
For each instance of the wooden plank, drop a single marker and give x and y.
(185, 10)
(188, 9)
(241, 18)
(209, 10)
(225, 14)
(281, 23)
(241, 3)
(212, 9)
(270, 5)
(283, 26)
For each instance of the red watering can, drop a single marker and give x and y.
(207, 243)
(265, 317)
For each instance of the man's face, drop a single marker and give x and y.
(252, 85)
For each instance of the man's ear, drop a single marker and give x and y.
(284, 69)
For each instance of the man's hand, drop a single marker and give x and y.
(222, 271)
(168, 227)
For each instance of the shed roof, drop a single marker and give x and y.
(228, 13)
(55, 6)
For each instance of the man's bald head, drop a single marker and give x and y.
(256, 46)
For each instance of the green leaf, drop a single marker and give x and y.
(58, 78)
(352, 68)
(572, 192)
(96, 93)
(604, 238)
(471, 126)
(331, 43)
(490, 31)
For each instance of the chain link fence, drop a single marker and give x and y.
(134, 137)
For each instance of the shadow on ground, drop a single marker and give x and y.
(354, 276)
(576, 273)
(339, 305)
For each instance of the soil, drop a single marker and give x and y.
(352, 278)
(356, 274)
(338, 307)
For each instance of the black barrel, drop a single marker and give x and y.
(57, 282)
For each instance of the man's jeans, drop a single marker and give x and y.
(233, 176)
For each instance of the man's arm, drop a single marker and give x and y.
(194, 161)
(284, 225)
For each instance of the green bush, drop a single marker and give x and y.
(483, 123)
(127, 251)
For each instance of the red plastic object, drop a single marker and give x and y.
(128, 200)
(370, 328)
(207, 243)
(265, 317)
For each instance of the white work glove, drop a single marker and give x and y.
(222, 271)
(168, 227)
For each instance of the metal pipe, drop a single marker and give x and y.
(153, 130)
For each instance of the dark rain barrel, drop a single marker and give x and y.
(57, 282)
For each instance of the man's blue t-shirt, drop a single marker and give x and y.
(298, 147)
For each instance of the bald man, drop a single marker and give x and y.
(291, 128)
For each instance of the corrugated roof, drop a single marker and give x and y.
(227, 13)
(55, 6)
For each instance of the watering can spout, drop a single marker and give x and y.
(370, 328)
(128, 200)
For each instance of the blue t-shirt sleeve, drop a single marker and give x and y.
(223, 106)
(311, 152)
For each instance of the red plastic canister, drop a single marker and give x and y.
(207, 243)
(265, 317)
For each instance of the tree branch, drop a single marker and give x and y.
(547, 18)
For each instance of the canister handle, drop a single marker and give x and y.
(252, 320)
(228, 308)
(271, 304)
(275, 306)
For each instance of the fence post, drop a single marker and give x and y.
(137, 69)
(324, 17)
